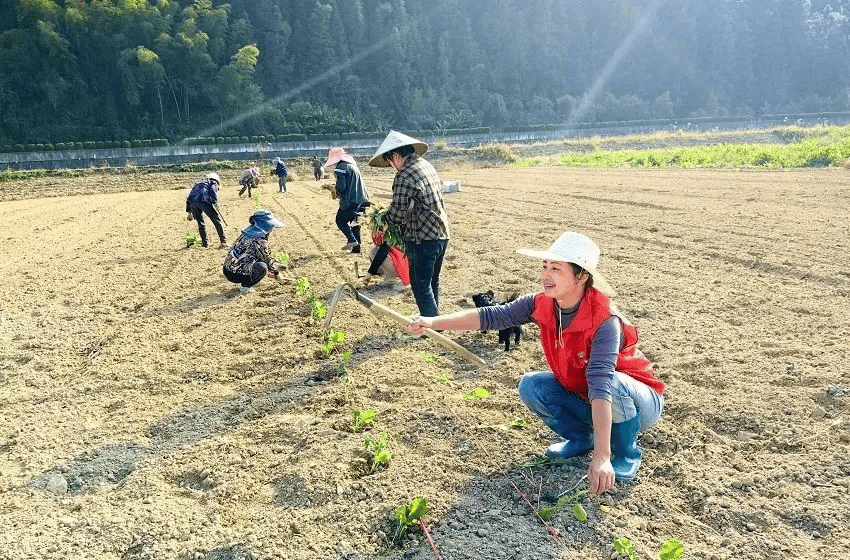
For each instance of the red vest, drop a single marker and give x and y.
(568, 361)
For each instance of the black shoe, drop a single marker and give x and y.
(355, 249)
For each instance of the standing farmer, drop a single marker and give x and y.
(203, 199)
(417, 208)
(281, 172)
(600, 390)
(318, 168)
(353, 197)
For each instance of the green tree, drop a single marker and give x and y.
(235, 86)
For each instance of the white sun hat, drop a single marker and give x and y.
(578, 249)
(396, 140)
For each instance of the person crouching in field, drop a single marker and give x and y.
(250, 259)
(600, 390)
(249, 179)
(281, 171)
(203, 199)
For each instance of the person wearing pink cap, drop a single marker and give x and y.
(600, 391)
(353, 197)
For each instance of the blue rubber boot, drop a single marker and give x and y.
(575, 444)
(626, 455)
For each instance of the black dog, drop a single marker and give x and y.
(487, 299)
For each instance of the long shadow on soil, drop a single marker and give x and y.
(113, 463)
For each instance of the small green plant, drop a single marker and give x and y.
(405, 517)
(282, 258)
(302, 285)
(257, 199)
(342, 366)
(318, 309)
(334, 339)
(670, 550)
(479, 393)
(516, 424)
(444, 379)
(429, 357)
(573, 500)
(380, 455)
(363, 418)
(192, 239)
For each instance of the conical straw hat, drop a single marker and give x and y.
(396, 140)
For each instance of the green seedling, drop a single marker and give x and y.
(380, 454)
(192, 239)
(516, 424)
(334, 339)
(444, 379)
(429, 357)
(282, 258)
(405, 516)
(363, 418)
(342, 366)
(257, 199)
(302, 285)
(573, 500)
(670, 550)
(479, 393)
(318, 309)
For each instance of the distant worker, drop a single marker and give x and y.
(250, 259)
(281, 172)
(417, 210)
(318, 168)
(203, 199)
(353, 197)
(249, 179)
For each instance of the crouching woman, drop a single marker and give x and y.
(600, 390)
(249, 259)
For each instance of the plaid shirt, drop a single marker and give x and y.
(417, 205)
(247, 251)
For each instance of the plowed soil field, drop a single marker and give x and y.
(149, 411)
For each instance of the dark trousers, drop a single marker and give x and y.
(249, 184)
(426, 260)
(378, 259)
(343, 222)
(281, 183)
(258, 271)
(198, 209)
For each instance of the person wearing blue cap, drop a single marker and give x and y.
(250, 259)
(281, 171)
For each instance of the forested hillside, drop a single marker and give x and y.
(74, 70)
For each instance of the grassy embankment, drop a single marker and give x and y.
(783, 147)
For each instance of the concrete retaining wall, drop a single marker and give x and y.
(171, 155)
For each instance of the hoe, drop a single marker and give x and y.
(385, 311)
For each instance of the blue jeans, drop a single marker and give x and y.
(566, 412)
(426, 260)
